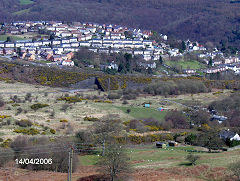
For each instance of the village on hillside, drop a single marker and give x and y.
(65, 39)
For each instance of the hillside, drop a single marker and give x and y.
(202, 20)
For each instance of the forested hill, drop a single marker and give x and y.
(204, 20)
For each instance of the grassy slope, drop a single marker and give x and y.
(185, 64)
(141, 112)
(22, 11)
(26, 2)
(151, 157)
(4, 37)
(79, 110)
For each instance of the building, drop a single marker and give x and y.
(68, 63)
(229, 135)
(161, 145)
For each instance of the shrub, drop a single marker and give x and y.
(191, 139)
(130, 94)
(29, 131)
(137, 125)
(28, 96)
(63, 121)
(192, 158)
(136, 139)
(52, 115)
(43, 148)
(70, 99)
(235, 169)
(37, 106)
(8, 156)
(177, 118)
(15, 105)
(175, 87)
(69, 129)
(19, 110)
(4, 116)
(90, 119)
(53, 131)
(232, 143)
(64, 107)
(24, 123)
(6, 143)
(153, 123)
(2, 103)
(114, 96)
(19, 144)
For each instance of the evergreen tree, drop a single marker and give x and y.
(160, 60)
(210, 63)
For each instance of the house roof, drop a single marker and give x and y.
(225, 134)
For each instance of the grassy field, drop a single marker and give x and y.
(186, 64)
(26, 2)
(174, 158)
(25, 36)
(4, 37)
(142, 112)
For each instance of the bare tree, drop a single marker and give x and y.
(106, 129)
(2, 103)
(210, 139)
(114, 162)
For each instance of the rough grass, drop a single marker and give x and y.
(22, 11)
(26, 2)
(186, 64)
(75, 115)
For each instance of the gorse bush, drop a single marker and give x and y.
(38, 106)
(90, 119)
(53, 131)
(71, 99)
(28, 131)
(141, 126)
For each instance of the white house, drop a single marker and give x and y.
(227, 134)
(65, 41)
(68, 63)
(9, 45)
(56, 42)
(74, 44)
(85, 44)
